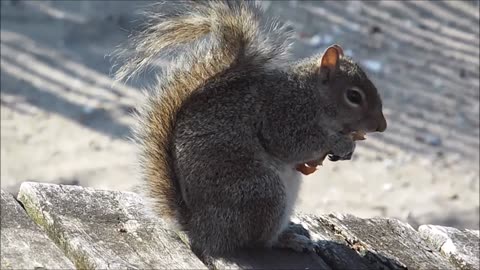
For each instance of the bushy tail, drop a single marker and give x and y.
(227, 35)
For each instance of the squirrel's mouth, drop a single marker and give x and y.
(311, 166)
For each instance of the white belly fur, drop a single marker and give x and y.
(291, 180)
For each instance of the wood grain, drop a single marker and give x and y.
(460, 246)
(24, 245)
(105, 229)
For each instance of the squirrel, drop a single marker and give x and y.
(224, 128)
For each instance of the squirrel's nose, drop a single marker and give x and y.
(382, 123)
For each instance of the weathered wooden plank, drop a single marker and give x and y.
(105, 229)
(108, 229)
(460, 246)
(270, 259)
(23, 244)
(394, 243)
(265, 259)
(338, 251)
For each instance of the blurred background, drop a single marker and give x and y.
(63, 120)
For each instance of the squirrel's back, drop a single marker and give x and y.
(221, 38)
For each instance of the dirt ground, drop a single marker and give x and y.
(63, 120)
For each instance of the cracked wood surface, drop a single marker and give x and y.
(104, 229)
(110, 230)
(23, 244)
(270, 259)
(386, 241)
(460, 246)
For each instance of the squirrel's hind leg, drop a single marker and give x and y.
(297, 238)
(245, 211)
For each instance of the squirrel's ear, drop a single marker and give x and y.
(330, 61)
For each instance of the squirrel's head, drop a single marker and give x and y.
(358, 104)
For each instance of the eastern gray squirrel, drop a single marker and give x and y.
(226, 126)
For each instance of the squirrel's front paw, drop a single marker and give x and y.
(342, 149)
(333, 157)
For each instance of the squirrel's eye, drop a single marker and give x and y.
(354, 96)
